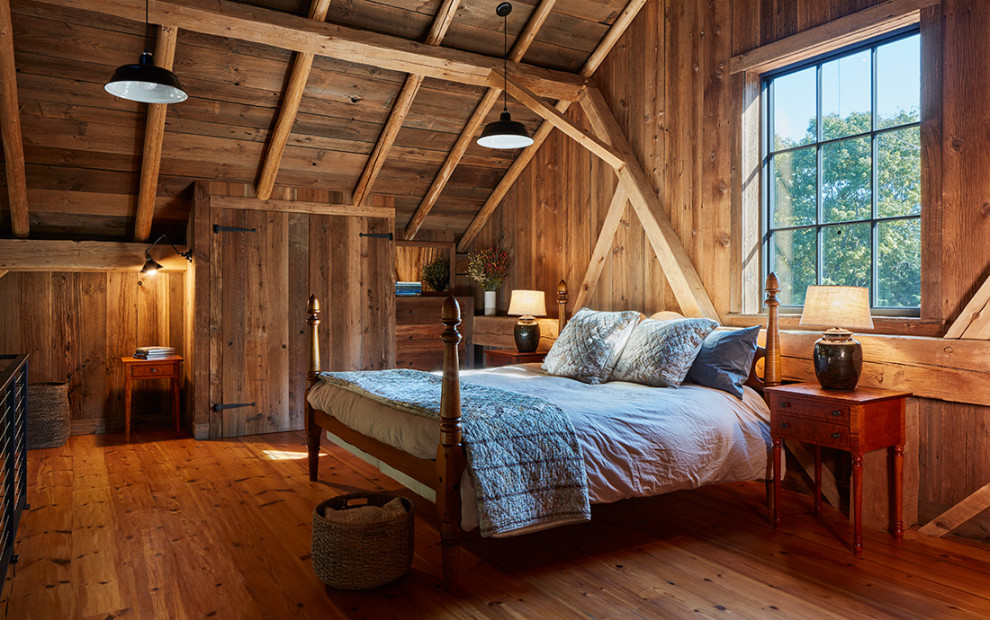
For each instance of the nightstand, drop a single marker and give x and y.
(857, 421)
(159, 368)
(504, 357)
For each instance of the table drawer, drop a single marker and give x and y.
(811, 431)
(153, 370)
(824, 412)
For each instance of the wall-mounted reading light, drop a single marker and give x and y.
(151, 266)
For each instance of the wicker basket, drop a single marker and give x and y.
(360, 556)
(47, 415)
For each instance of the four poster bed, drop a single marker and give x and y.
(685, 437)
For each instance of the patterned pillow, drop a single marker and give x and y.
(660, 353)
(589, 346)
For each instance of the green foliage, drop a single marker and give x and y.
(847, 253)
(436, 274)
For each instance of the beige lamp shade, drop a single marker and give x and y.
(527, 303)
(837, 306)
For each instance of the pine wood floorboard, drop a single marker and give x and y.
(175, 528)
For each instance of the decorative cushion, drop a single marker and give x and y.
(724, 360)
(589, 345)
(660, 353)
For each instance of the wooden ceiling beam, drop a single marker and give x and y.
(606, 236)
(678, 268)
(43, 255)
(154, 135)
(302, 63)
(612, 37)
(555, 118)
(403, 103)
(519, 49)
(234, 20)
(10, 128)
(300, 206)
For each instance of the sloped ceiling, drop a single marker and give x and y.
(83, 147)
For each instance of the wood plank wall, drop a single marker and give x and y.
(77, 325)
(668, 84)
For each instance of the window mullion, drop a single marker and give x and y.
(819, 233)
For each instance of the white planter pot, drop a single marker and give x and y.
(490, 303)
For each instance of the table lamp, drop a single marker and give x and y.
(527, 305)
(838, 358)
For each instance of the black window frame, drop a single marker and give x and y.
(768, 153)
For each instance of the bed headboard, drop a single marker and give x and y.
(770, 353)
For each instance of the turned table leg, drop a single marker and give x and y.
(857, 475)
(898, 492)
(776, 482)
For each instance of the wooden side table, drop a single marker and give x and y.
(504, 357)
(857, 421)
(159, 368)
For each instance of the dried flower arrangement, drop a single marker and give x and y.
(490, 266)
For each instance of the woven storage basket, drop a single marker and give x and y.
(48, 415)
(360, 556)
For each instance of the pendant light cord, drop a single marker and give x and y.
(147, 21)
(505, 62)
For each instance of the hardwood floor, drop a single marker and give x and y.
(177, 528)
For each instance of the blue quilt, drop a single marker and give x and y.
(521, 451)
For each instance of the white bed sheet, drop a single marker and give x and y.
(637, 440)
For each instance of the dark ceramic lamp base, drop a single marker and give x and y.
(527, 335)
(838, 361)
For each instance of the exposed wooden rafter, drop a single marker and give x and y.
(622, 22)
(612, 220)
(974, 321)
(519, 49)
(678, 268)
(243, 22)
(403, 103)
(43, 255)
(300, 206)
(154, 134)
(10, 128)
(302, 62)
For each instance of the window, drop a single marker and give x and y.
(841, 173)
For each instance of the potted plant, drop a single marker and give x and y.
(436, 274)
(490, 267)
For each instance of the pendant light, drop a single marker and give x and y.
(145, 82)
(505, 133)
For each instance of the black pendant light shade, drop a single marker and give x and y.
(505, 133)
(146, 82)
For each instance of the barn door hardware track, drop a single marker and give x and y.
(219, 407)
(377, 235)
(217, 228)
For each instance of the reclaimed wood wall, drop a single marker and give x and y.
(669, 86)
(77, 325)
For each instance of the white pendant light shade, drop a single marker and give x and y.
(146, 82)
(505, 133)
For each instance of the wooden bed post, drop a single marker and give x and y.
(450, 453)
(771, 367)
(312, 430)
(561, 306)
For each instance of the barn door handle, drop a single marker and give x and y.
(377, 235)
(219, 407)
(217, 228)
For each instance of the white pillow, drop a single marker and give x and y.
(590, 344)
(660, 353)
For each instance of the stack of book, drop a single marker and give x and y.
(408, 288)
(153, 353)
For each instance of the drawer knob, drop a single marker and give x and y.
(836, 435)
(785, 404)
(785, 425)
(836, 413)
(154, 370)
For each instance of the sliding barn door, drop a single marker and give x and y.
(250, 323)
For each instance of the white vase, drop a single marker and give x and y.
(489, 303)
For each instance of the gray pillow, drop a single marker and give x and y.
(659, 353)
(725, 359)
(589, 345)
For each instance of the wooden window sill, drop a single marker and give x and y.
(889, 325)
